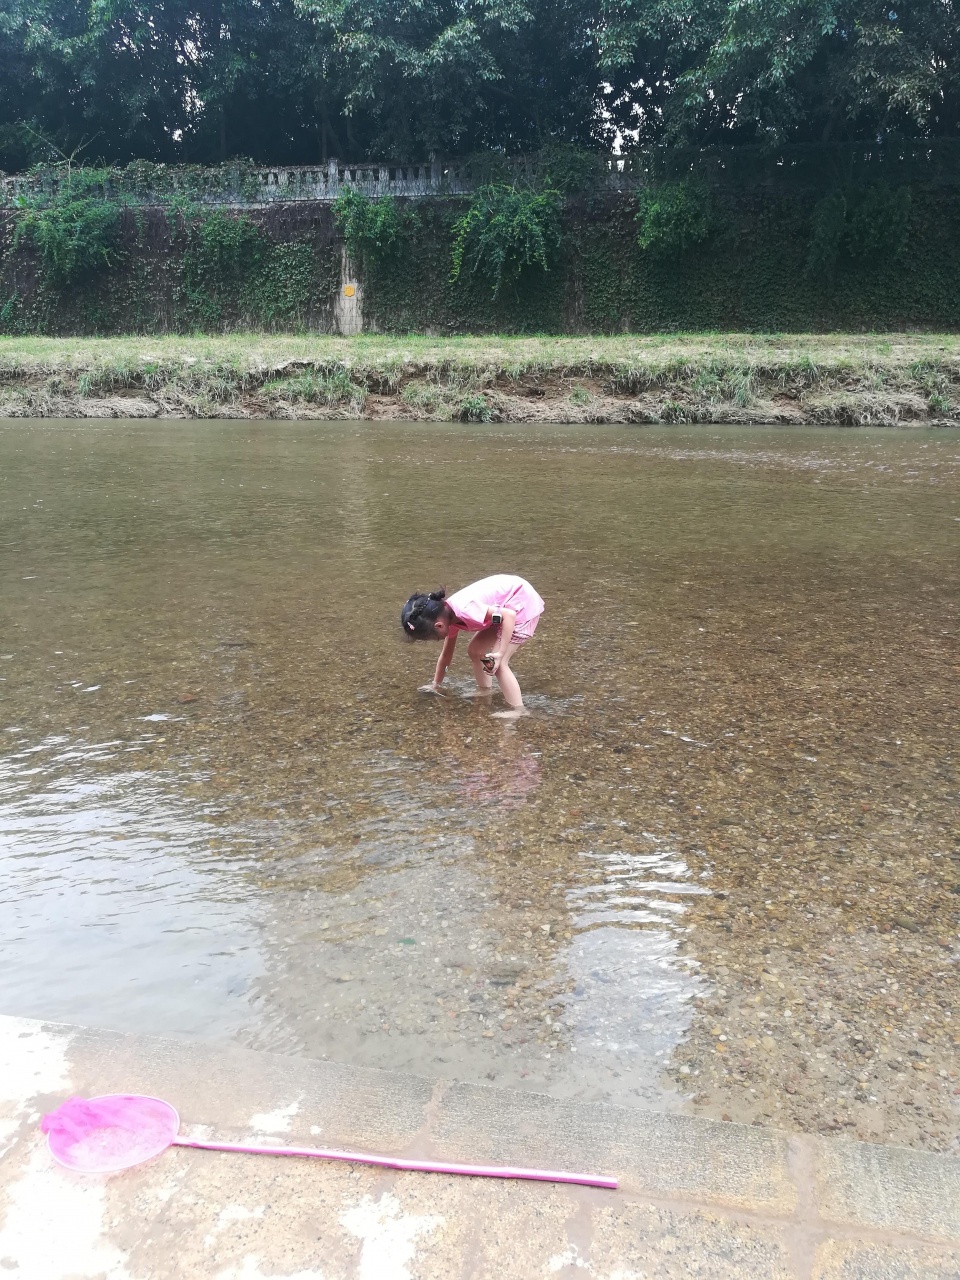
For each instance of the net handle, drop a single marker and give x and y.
(409, 1166)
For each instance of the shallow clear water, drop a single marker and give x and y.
(225, 810)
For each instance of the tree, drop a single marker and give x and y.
(293, 81)
(424, 76)
(812, 70)
(170, 81)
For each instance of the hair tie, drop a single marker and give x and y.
(411, 627)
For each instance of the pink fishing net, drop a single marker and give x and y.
(102, 1135)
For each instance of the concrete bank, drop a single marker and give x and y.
(697, 1198)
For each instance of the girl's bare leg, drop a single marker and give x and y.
(481, 643)
(509, 686)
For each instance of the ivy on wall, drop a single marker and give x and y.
(674, 217)
(81, 258)
(372, 230)
(749, 273)
(416, 291)
(506, 231)
(141, 182)
(868, 223)
(75, 237)
(82, 264)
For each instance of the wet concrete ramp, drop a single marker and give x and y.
(697, 1197)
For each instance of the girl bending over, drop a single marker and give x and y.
(502, 612)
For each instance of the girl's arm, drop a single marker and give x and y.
(446, 657)
(506, 633)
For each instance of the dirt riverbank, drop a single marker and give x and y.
(847, 380)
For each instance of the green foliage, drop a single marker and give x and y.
(117, 75)
(934, 378)
(794, 69)
(939, 404)
(372, 229)
(75, 236)
(756, 277)
(674, 216)
(224, 244)
(222, 258)
(229, 264)
(505, 230)
(11, 316)
(569, 169)
(424, 395)
(141, 182)
(474, 407)
(424, 76)
(295, 81)
(183, 264)
(878, 223)
(415, 290)
(828, 228)
(868, 225)
(674, 411)
(287, 283)
(280, 269)
(333, 388)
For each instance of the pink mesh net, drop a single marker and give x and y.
(102, 1135)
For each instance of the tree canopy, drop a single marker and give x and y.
(295, 81)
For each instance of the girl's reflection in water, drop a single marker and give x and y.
(504, 772)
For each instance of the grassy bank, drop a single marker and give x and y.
(853, 380)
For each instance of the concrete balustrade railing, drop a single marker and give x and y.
(267, 185)
(278, 184)
(243, 185)
(303, 182)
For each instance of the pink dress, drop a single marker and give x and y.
(499, 591)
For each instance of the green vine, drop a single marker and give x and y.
(828, 225)
(569, 169)
(867, 224)
(878, 223)
(674, 216)
(372, 229)
(221, 260)
(505, 230)
(142, 182)
(75, 238)
(72, 224)
(87, 228)
(229, 264)
(81, 254)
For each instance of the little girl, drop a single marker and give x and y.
(502, 608)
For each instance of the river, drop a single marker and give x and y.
(716, 869)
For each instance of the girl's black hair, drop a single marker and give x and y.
(420, 613)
